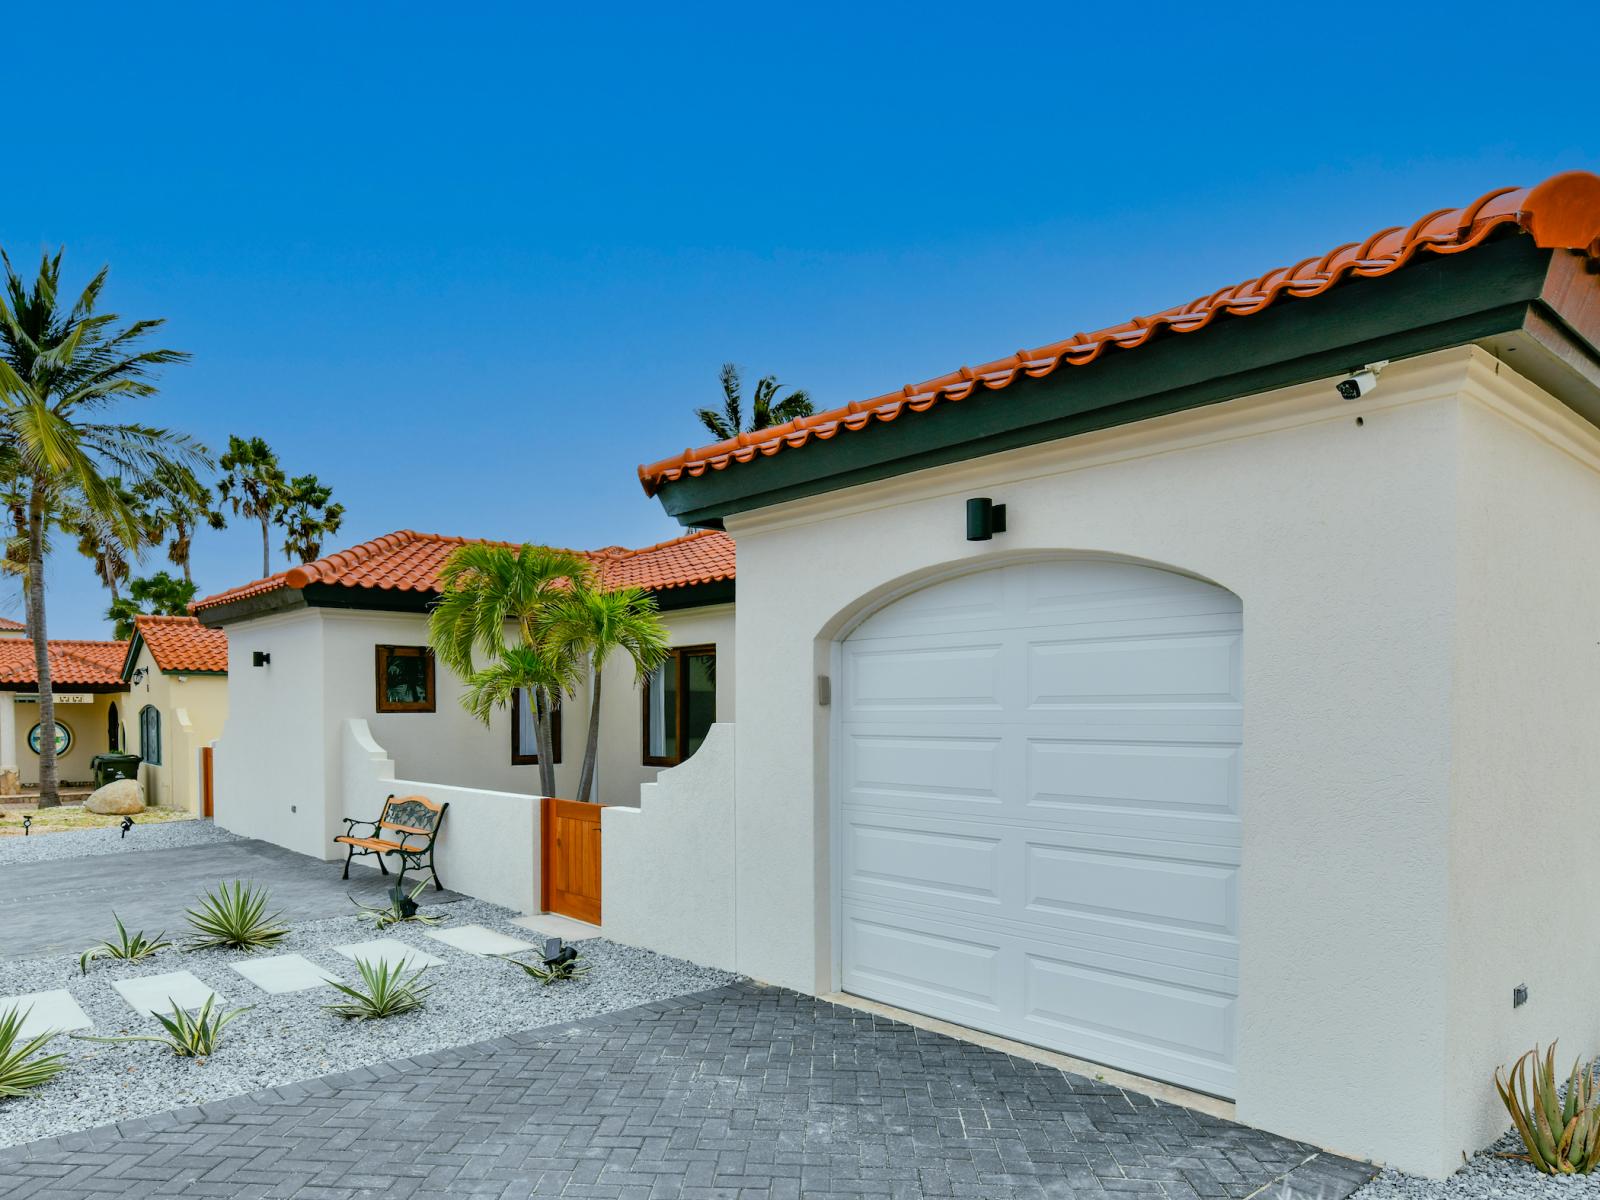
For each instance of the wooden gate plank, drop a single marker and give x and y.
(570, 859)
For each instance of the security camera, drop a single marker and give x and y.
(1362, 382)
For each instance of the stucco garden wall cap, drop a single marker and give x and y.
(1563, 212)
(410, 561)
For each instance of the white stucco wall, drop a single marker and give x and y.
(1345, 544)
(668, 864)
(489, 844)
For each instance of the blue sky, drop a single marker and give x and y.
(472, 264)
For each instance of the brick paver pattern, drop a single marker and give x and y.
(745, 1091)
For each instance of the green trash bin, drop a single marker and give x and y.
(108, 767)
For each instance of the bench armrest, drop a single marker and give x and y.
(350, 823)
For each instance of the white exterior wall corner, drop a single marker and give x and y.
(668, 865)
(1340, 541)
(1524, 845)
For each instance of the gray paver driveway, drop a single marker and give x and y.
(63, 906)
(746, 1091)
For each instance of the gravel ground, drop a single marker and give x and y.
(92, 843)
(1485, 1177)
(289, 1037)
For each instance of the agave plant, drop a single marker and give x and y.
(564, 965)
(129, 947)
(402, 907)
(234, 919)
(389, 991)
(1561, 1133)
(20, 1073)
(186, 1036)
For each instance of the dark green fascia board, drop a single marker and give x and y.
(135, 644)
(697, 595)
(1431, 304)
(32, 689)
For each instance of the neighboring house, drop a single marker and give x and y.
(86, 678)
(345, 638)
(12, 629)
(1255, 751)
(176, 670)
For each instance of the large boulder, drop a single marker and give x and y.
(117, 798)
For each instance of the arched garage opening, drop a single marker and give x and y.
(1037, 804)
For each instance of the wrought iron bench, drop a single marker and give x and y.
(405, 817)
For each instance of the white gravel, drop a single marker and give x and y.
(289, 1037)
(1485, 1177)
(92, 843)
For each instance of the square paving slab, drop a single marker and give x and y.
(285, 973)
(388, 950)
(478, 939)
(158, 993)
(47, 1011)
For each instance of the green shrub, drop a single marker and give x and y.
(389, 992)
(1562, 1134)
(401, 908)
(186, 1036)
(130, 947)
(20, 1073)
(234, 919)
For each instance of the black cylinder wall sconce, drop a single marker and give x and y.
(985, 518)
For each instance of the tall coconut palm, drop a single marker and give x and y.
(100, 541)
(177, 504)
(496, 605)
(61, 368)
(308, 515)
(255, 485)
(765, 408)
(596, 624)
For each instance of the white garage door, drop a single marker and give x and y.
(1040, 823)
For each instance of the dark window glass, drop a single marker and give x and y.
(680, 705)
(150, 734)
(524, 740)
(405, 679)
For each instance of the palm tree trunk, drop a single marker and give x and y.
(591, 749)
(544, 742)
(48, 784)
(266, 550)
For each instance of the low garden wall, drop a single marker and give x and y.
(489, 847)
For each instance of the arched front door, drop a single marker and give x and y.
(113, 728)
(1039, 812)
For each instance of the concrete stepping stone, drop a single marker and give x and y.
(47, 1011)
(285, 973)
(151, 994)
(477, 939)
(388, 950)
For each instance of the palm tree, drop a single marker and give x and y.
(486, 591)
(254, 484)
(597, 624)
(159, 595)
(100, 541)
(60, 369)
(307, 515)
(729, 423)
(177, 504)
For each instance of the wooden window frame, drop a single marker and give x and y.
(522, 760)
(381, 656)
(680, 655)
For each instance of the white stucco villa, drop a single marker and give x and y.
(1210, 696)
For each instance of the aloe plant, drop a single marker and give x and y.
(402, 908)
(1561, 1132)
(564, 965)
(20, 1072)
(389, 992)
(186, 1036)
(234, 919)
(129, 947)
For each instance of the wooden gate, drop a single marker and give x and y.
(570, 861)
(207, 793)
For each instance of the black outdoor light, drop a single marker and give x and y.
(260, 658)
(27, 824)
(127, 824)
(985, 518)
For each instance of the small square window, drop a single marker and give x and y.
(405, 679)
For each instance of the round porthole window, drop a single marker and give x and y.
(63, 738)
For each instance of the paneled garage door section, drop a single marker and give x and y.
(1040, 812)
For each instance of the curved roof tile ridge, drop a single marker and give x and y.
(1563, 212)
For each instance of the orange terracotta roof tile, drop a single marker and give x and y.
(1563, 212)
(410, 562)
(7, 625)
(72, 663)
(181, 645)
